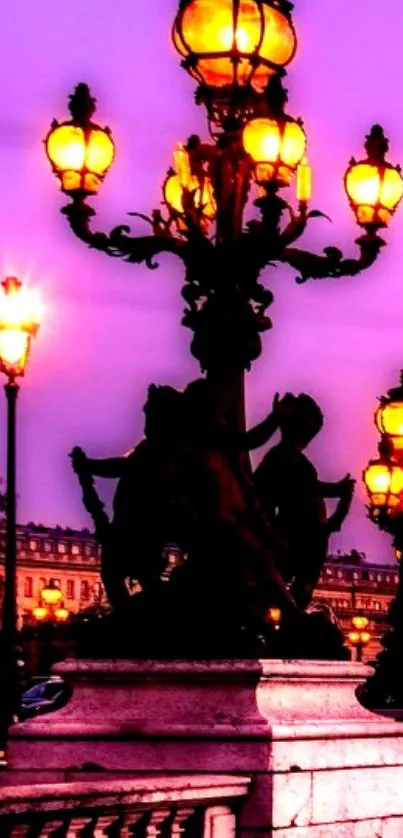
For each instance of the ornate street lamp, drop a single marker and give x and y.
(359, 637)
(374, 187)
(384, 481)
(19, 323)
(237, 51)
(79, 151)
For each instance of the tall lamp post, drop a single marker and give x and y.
(19, 323)
(383, 478)
(237, 54)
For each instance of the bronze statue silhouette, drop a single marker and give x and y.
(186, 484)
(231, 542)
(292, 497)
(145, 504)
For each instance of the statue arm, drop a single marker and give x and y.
(260, 434)
(329, 490)
(112, 467)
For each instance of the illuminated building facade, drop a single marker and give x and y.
(69, 557)
(349, 583)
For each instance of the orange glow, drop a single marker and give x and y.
(389, 420)
(276, 147)
(365, 637)
(354, 637)
(20, 316)
(61, 614)
(51, 594)
(80, 156)
(304, 181)
(203, 198)
(374, 192)
(360, 622)
(40, 612)
(274, 615)
(210, 34)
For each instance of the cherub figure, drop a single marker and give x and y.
(292, 496)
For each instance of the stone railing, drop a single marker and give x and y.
(186, 806)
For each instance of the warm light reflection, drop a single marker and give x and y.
(276, 147)
(228, 43)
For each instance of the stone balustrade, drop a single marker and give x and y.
(183, 806)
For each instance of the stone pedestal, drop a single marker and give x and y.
(321, 765)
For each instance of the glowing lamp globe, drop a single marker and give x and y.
(175, 195)
(276, 147)
(384, 483)
(40, 613)
(19, 321)
(354, 637)
(374, 187)
(360, 622)
(365, 637)
(233, 43)
(79, 151)
(61, 614)
(389, 417)
(51, 593)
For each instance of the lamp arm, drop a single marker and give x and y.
(331, 263)
(118, 243)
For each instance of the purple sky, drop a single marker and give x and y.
(111, 328)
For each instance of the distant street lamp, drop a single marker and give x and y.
(19, 323)
(50, 607)
(359, 637)
(384, 482)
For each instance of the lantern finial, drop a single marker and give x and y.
(82, 104)
(376, 145)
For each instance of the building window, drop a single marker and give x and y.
(28, 586)
(48, 547)
(396, 579)
(377, 606)
(70, 589)
(387, 578)
(356, 575)
(75, 550)
(33, 544)
(85, 589)
(340, 574)
(88, 550)
(371, 577)
(62, 547)
(379, 577)
(329, 571)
